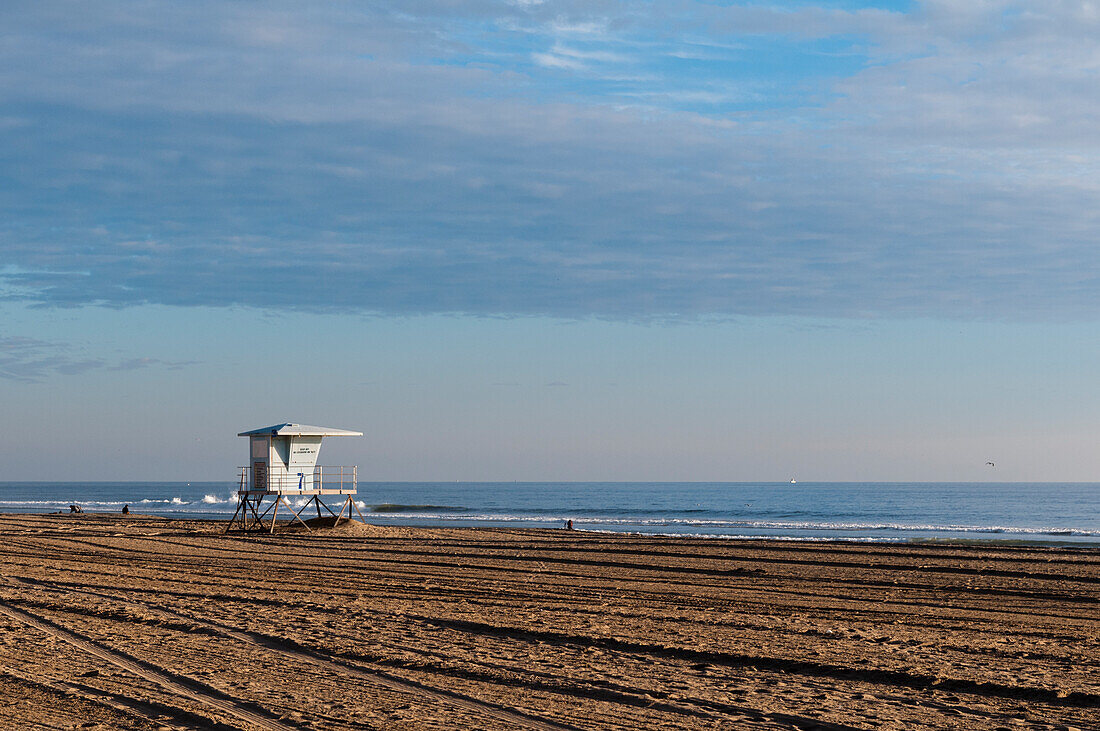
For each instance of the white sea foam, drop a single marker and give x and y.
(649, 523)
(66, 503)
(756, 537)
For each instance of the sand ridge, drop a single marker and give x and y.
(178, 625)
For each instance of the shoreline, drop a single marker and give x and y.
(997, 537)
(129, 620)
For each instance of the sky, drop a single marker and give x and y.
(552, 240)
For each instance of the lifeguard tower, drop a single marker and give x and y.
(283, 463)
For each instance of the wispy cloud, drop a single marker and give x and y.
(31, 360)
(553, 158)
(554, 60)
(133, 364)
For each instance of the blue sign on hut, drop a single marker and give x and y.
(283, 463)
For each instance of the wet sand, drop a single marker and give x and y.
(143, 623)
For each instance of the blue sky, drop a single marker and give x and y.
(543, 240)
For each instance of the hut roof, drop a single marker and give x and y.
(300, 430)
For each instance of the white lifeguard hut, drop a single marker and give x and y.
(283, 463)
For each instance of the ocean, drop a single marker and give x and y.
(1048, 513)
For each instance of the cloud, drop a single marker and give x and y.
(558, 61)
(28, 359)
(32, 360)
(683, 160)
(132, 364)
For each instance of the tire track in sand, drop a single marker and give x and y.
(285, 647)
(158, 714)
(175, 684)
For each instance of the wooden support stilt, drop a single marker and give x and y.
(296, 515)
(257, 522)
(240, 504)
(251, 515)
(328, 509)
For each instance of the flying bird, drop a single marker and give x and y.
(991, 464)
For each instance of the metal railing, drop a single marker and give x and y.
(340, 479)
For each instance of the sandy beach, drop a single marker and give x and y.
(149, 623)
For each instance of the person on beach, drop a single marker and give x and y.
(75, 509)
(569, 525)
(125, 509)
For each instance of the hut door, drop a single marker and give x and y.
(280, 452)
(280, 459)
